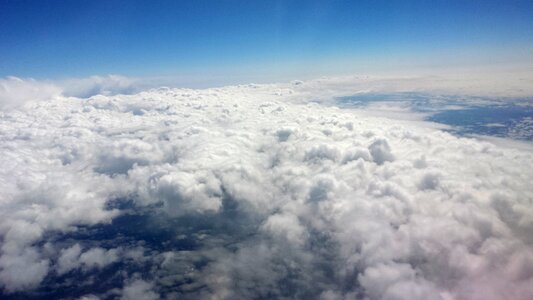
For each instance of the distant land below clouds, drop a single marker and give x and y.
(466, 115)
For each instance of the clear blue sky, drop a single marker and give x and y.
(61, 39)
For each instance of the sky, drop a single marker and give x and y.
(65, 39)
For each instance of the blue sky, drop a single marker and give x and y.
(62, 39)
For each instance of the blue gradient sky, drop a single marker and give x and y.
(61, 39)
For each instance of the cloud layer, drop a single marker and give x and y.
(16, 92)
(255, 191)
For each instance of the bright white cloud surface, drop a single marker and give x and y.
(281, 197)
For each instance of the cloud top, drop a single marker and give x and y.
(255, 192)
(15, 92)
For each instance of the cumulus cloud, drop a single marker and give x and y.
(22, 270)
(14, 91)
(255, 192)
(139, 290)
(72, 258)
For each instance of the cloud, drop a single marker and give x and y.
(255, 191)
(68, 259)
(14, 92)
(72, 258)
(139, 290)
(380, 151)
(99, 85)
(22, 270)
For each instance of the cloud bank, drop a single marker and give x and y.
(255, 191)
(15, 92)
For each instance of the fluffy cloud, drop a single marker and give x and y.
(139, 290)
(14, 92)
(72, 258)
(255, 192)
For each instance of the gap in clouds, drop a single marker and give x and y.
(144, 240)
(466, 115)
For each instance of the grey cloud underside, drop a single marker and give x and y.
(244, 192)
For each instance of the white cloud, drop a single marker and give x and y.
(380, 151)
(98, 257)
(278, 197)
(14, 92)
(69, 259)
(99, 85)
(286, 226)
(139, 290)
(95, 258)
(22, 270)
